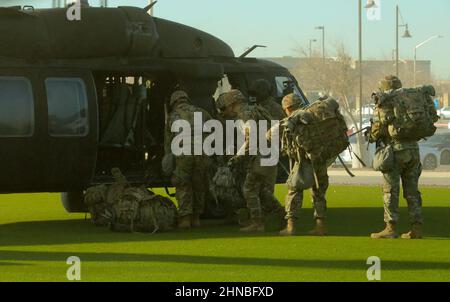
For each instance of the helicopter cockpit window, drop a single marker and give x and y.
(16, 107)
(286, 85)
(67, 107)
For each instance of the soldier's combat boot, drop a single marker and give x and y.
(415, 233)
(195, 223)
(256, 226)
(388, 232)
(290, 228)
(320, 229)
(184, 222)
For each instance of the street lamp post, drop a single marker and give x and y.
(322, 28)
(405, 35)
(415, 53)
(310, 47)
(359, 105)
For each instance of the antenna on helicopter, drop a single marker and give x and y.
(150, 6)
(250, 50)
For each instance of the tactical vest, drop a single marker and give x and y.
(319, 132)
(407, 114)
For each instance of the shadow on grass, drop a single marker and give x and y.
(11, 264)
(356, 222)
(221, 260)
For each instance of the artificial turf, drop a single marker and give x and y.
(37, 236)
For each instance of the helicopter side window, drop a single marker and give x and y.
(16, 107)
(67, 107)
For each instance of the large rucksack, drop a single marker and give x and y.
(226, 189)
(408, 113)
(140, 210)
(100, 209)
(319, 132)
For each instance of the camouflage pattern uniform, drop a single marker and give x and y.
(407, 167)
(273, 108)
(294, 198)
(260, 180)
(190, 177)
(259, 184)
(261, 89)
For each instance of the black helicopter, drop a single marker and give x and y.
(80, 97)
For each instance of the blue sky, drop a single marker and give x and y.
(283, 25)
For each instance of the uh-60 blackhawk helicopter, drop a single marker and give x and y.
(81, 97)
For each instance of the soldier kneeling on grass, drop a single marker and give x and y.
(312, 138)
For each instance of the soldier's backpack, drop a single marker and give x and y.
(408, 113)
(140, 210)
(156, 214)
(319, 131)
(225, 188)
(100, 209)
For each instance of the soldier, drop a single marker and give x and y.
(258, 189)
(407, 167)
(189, 177)
(261, 89)
(294, 198)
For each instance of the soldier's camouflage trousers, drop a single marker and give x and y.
(258, 189)
(190, 179)
(294, 198)
(408, 168)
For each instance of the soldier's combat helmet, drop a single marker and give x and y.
(229, 98)
(291, 100)
(390, 82)
(260, 89)
(178, 96)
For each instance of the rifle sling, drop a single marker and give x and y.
(345, 167)
(360, 160)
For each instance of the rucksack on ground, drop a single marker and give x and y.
(140, 210)
(319, 131)
(100, 209)
(156, 214)
(409, 113)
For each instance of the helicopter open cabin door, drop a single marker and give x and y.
(71, 128)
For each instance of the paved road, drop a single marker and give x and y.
(367, 177)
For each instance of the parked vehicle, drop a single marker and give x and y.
(435, 151)
(444, 113)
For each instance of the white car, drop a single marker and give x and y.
(444, 113)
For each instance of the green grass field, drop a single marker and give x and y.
(37, 236)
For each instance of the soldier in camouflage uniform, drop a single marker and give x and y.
(190, 176)
(260, 180)
(294, 198)
(408, 168)
(261, 89)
